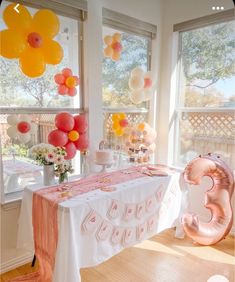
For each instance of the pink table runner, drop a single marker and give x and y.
(44, 214)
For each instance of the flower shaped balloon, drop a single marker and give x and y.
(21, 128)
(30, 38)
(119, 123)
(66, 82)
(141, 85)
(114, 47)
(71, 133)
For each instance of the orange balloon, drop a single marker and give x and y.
(117, 37)
(116, 56)
(119, 131)
(32, 62)
(115, 117)
(53, 52)
(17, 21)
(141, 126)
(122, 116)
(108, 39)
(116, 125)
(12, 44)
(46, 23)
(108, 51)
(70, 82)
(73, 135)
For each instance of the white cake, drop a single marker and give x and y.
(104, 156)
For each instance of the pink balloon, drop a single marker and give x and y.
(123, 122)
(82, 143)
(64, 121)
(57, 138)
(72, 91)
(70, 150)
(67, 72)
(35, 40)
(59, 78)
(147, 82)
(23, 126)
(117, 46)
(62, 89)
(81, 124)
(218, 200)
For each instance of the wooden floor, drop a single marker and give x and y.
(162, 258)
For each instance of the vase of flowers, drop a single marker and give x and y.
(48, 156)
(62, 170)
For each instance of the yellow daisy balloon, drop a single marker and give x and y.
(30, 39)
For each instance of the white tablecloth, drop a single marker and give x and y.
(18, 173)
(77, 248)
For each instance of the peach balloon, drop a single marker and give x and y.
(217, 200)
(116, 56)
(117, 37)
(108, 51)
(108, 39)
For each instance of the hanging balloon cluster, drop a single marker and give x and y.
(71, 133)
(21, 128)
(141, 86)
(140, 142)
(114, 47)
(30, 38)
(119, 124)
(67, 82)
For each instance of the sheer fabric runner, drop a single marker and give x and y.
(44, 215)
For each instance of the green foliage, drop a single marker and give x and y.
(19, 150)
(208, 54)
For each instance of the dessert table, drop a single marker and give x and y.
(97, 217)
(16, 170)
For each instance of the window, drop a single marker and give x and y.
(37, 98)
(206, 100)
(136, 39)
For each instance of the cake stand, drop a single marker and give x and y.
(104, 165)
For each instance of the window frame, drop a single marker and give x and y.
(74, 10)
(178, 29)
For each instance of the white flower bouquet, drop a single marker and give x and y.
(46, 154)
(62, 170)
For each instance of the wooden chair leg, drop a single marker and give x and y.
(34, 261)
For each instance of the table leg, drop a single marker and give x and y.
(33, 262)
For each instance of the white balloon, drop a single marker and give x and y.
(136, 82)
(34, 128)
(148, 94)
(137, 72)
(12, 120)
(24, 137)
(137, 96)
(26, 118)
(12, 132)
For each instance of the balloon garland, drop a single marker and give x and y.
(71, 133)
(141, 85)
(21, 128)
(119, 124)
(30, 38)
(114, 47)
(67, 82)
(217, 200)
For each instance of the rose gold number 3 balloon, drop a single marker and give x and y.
(217, 200)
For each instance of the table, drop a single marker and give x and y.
(15, 171)
(135, 210)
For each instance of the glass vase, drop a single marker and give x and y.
(63, 177)
(48, 175)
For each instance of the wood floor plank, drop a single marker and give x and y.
(162, 258)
